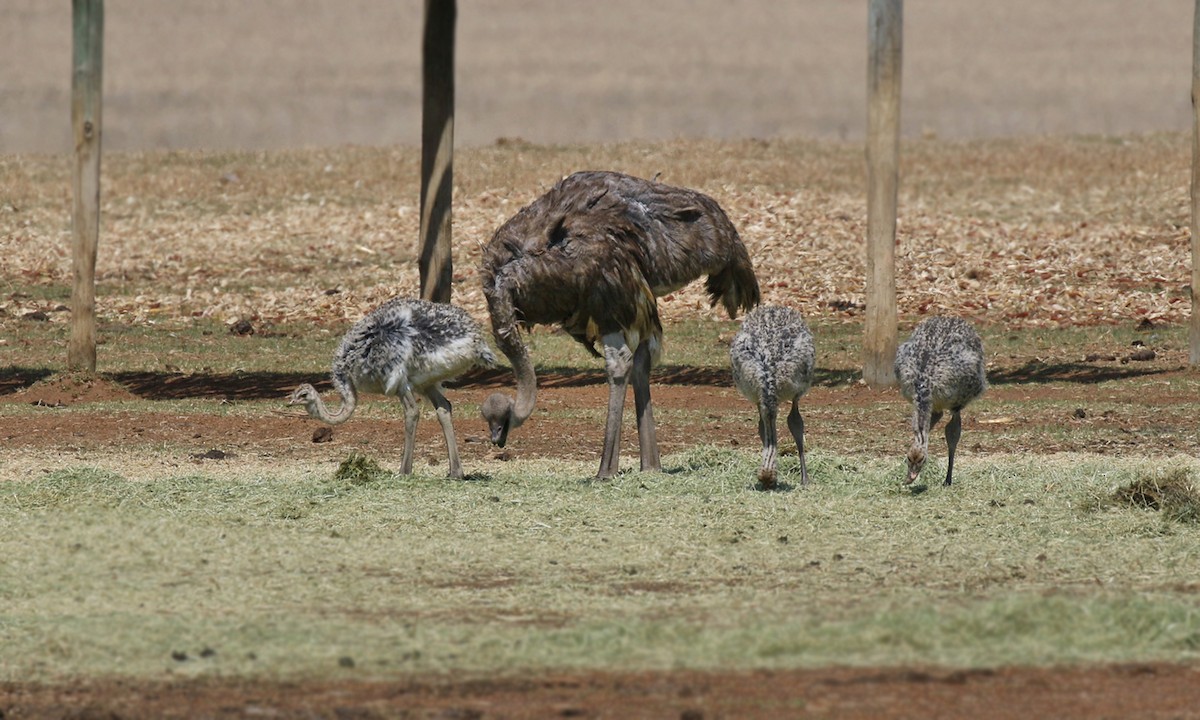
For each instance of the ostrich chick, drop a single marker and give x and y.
(772, 359)
(405, 348)
(940, 367)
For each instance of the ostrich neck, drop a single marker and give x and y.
(349, 401)
(502, 308)
(922, 413)
(509, 341)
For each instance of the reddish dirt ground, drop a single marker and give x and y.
(693, 406)
(1144, 691)
(1127, 691)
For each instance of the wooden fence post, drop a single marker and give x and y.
(437, 149)
(1194, 330)
(87, 62)
(883, 141)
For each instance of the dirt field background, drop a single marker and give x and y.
(273, 74)
(1134, 691)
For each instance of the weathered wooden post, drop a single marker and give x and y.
(87, 61)
(1194, 331)
(883, 141)
(437, 149)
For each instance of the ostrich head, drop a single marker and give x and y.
(916, 461)
(498, 411)
(307, 396)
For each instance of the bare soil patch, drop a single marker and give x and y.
(1146, 691)
(694, 406)
(70, 389)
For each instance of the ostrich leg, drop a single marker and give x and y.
(796, 425)
(412, 413)
(767, 415)
(443, 407)
(647, 436)
(953, 433)
(618, 361)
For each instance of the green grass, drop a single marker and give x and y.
(252, 569)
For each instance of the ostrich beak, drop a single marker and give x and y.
(499, 431)
(500, 434)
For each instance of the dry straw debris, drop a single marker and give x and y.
(1029, 233)
(359, 469)
(1173, 493)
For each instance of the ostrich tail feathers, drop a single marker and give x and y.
(735, 286)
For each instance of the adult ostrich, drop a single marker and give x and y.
(592, 255)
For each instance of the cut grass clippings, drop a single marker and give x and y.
(359, 469)
(259, 570)
(1171, 492)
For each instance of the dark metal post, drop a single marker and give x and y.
(437, 149)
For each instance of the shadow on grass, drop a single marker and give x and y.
(223, 386)
(1073, 372)
(277, 385)
(13, 379)
(177, 386)
(779, 487)
(562, 377)
(477, 477)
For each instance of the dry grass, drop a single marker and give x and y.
(1173, 493)
(1033, 233)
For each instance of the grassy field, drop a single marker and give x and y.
(118, 564)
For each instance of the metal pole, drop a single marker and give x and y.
(437, 149)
